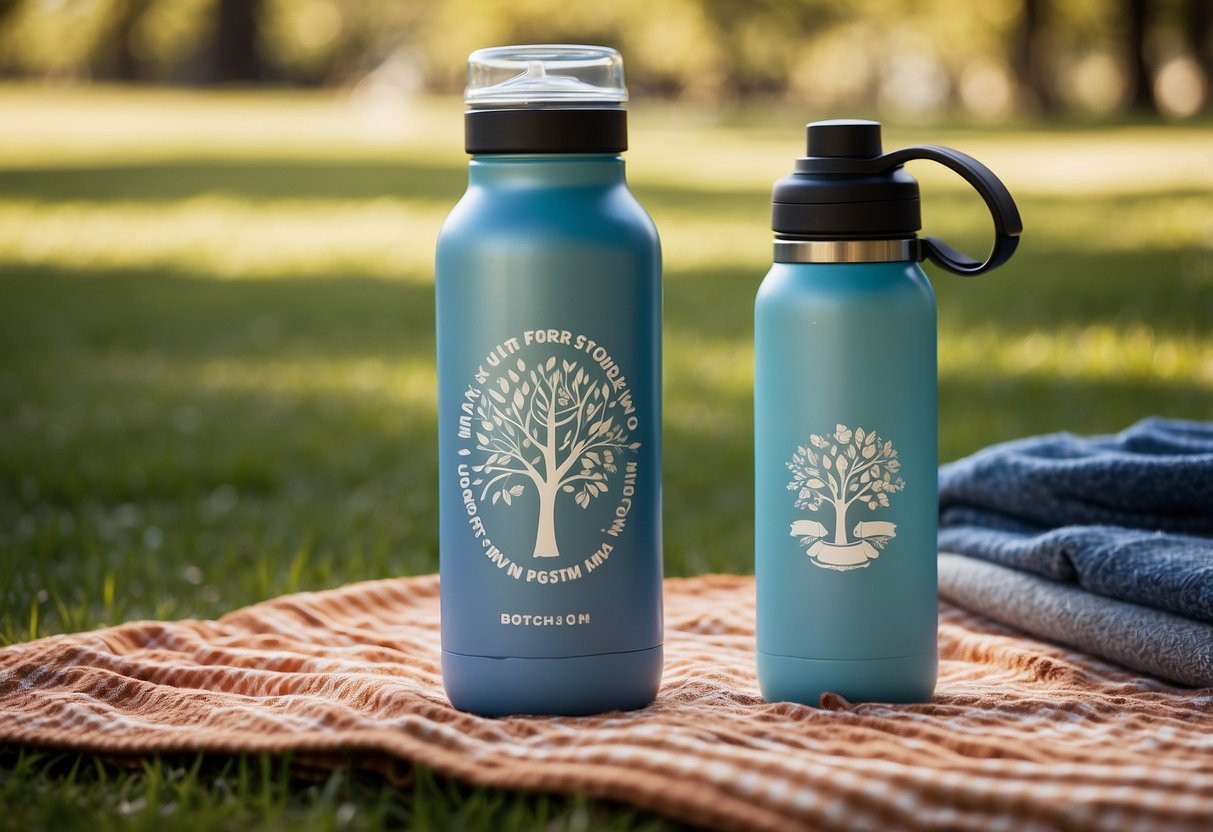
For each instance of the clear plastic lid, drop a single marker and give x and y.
(545, 75)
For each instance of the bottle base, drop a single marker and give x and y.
(901, 680)
(568, 686)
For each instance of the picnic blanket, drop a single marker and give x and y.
(1020, 735)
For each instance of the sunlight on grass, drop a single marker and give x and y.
(227, 237)
(706, 184)
(1095, 352)
(1096, 162)
(231, 237)
(409, 382)
(48, 125)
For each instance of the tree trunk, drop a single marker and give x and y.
(1029, 59)
(124, 64)
(1138, 28)
(840, 528)
(1198, 27)
(545, 535)
(236, 50)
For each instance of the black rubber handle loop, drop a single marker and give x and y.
(1007, 223)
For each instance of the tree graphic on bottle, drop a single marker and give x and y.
(554, 427)
(842, 469)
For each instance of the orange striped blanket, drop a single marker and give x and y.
(1020, 735)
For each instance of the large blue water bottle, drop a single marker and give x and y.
(845, 420)
(549, 397)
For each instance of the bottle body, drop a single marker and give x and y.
(549, 353)
(845, 397)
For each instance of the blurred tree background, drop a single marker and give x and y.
(992, 60)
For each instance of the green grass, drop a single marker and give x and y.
(217, 384)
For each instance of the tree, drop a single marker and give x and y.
(842, 469)
(551, 427)
(1030, 57)
(1137, 21)
(1198, 29)
(119, 58)
(236, 41)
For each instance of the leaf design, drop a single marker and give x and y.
(519, 446)
(859, 468)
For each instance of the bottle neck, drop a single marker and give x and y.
(546, 170)
(846, 251)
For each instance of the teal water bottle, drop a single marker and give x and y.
(548, 283)
(845, 420)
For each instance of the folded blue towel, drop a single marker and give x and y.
(1125, 516)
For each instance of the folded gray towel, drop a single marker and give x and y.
(1141, 638)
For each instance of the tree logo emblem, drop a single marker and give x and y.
(548, 432)
(840, 470)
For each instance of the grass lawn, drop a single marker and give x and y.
(217, 383)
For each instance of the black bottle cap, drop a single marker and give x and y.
(844, 205)
(554, 130)
(847, 189)
(853, 139)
